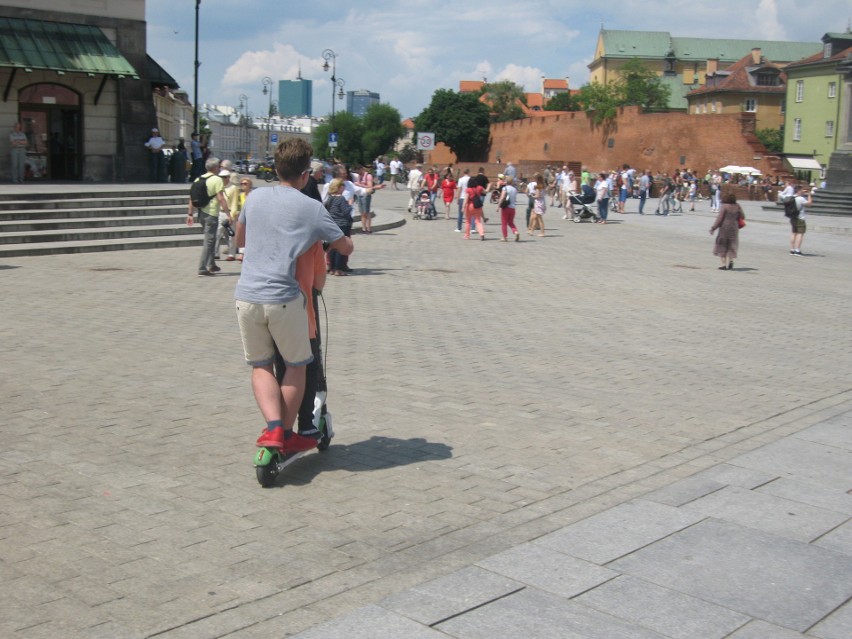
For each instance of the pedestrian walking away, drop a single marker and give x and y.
(728, 223)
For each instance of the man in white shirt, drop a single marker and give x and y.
(415, 181)
(395, 166)
(155, 145)
(462, 187)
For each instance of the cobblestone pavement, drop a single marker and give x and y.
(485, 395)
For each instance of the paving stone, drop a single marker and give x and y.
(534, 613)
(837, 626)
(766, 512)
(802, 459)
(370, 622)
(684, 491)
(833, 498)
(454, 594)
(763, 630)
(779, 580)
(839, 539)
(549, 570)
(618, 531)
(836, 431)
(733, 475)
(666, 611)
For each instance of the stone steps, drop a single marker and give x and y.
(101, 218)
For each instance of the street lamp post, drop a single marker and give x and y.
(244, 105)
(267, 89)
(273, 109)
(197, 64)
(327, 55)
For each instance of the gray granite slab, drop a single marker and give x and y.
(838, 625)
(450, 595)
(666, 611)
(547, 569)
(540, 615)
(822, 496)
(836, 431)
(766, 512)
(839, 539)
(684, 491)
(762, 630)
(618, 531)
(768, 577)
(736, 476)
(370, 622)
(802, 459)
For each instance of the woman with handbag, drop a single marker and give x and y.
(473, 212)
(729, 222)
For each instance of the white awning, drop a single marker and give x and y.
(804, 164)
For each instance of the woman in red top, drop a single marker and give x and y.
(473, 213)
(448, 186)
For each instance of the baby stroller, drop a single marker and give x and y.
(425, 210)
(581, 203)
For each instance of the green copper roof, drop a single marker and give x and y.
(656, 44)
(701, 49)
(59, 46)
(642, 44)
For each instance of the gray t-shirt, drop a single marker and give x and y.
(281, 223)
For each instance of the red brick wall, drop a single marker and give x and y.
(655, 141)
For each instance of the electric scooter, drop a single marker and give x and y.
(270, 462)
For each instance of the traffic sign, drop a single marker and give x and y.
(273, 138)
(332, 140)
(425, 141)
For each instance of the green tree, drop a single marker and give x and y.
(503, 98)
(350, 134)
(603, 99)
(459, 120)
(563, 102)
(640, 86)
(772, 139)
(382, 128)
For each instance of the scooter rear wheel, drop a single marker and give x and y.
(266, 467)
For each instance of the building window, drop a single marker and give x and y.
(767, 79)
(797, 129)
(832, 89)
(829, 129)
(800, 90)
(751, 105)
(783, 106)
(713, 106)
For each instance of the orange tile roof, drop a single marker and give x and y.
(535, 100)
(470, 86)
(555, 84)
(408, 123)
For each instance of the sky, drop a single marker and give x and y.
(407, 49)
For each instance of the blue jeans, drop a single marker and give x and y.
(642, 195)
(461, 214)
(210, 224)
(602, 207)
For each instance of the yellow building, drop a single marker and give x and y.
(682, 63)
(750, 85)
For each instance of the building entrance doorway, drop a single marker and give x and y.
(52, 122)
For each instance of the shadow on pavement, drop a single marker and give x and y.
(376, 453)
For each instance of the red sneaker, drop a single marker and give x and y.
(297, 443)
(292, 443)
(271, 439)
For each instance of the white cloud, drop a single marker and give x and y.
(527, 77)
(766, 21)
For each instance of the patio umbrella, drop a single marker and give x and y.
(731, 168)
